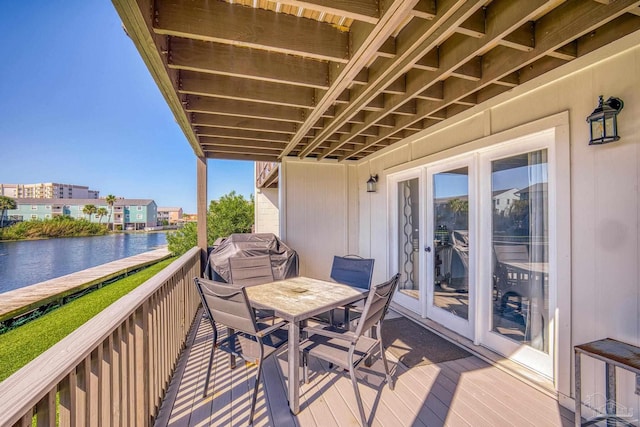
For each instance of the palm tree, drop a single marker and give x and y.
(110, 199)
(101, 212)
(89, 210)
(6, 203)
(459, 207)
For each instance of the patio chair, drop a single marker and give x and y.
(252, 271)
(509, 281)
(228, 305)
(348, 349)
(352, 270)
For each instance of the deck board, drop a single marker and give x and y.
(460, 392)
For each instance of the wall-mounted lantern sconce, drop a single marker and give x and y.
(371, 183)
(603, 121)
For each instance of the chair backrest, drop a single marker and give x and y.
(352, 270)
(227, 304)
(377, 304)
(250, 271)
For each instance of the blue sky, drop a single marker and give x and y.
(78, 106)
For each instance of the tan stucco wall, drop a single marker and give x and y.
(267, 211)
(321, 213)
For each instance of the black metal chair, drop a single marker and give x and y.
(352, 270)
(252, 271)
(349, 349)
(253, 342)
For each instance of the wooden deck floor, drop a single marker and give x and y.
(463, 392)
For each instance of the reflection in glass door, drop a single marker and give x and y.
(451, 241)
(520, 243)
(408, 235)
(450, 296)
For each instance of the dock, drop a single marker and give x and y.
(24, 300)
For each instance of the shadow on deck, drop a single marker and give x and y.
(459, 392)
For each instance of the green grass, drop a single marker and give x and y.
(20, 346)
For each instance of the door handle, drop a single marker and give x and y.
(427, 248)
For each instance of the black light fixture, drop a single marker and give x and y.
(371, 183)
(603, 121)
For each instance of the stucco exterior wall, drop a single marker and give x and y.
(322, 218)
(267, 211)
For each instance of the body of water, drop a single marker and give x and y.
(25, 263)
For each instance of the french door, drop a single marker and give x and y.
(518, 229)
(449, 246)
(407, 211)
(474, 240)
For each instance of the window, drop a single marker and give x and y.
(139, 216)
(139, 208)
(34, 216)
(34, 207)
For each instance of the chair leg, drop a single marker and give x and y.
(352, 374)
(386, 366)
(206, 381)
(305, 367)
(255, 393)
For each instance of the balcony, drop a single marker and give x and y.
(266, 174)
(142, 362)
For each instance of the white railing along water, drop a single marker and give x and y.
(115, 369)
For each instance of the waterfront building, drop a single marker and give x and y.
(127, 214)
(172, 215)
(48, 190)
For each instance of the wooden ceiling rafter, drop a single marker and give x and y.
(342, 79)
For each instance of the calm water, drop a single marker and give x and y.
(27, 262)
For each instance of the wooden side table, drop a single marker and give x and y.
(614, 354)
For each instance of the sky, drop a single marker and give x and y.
(78, 106)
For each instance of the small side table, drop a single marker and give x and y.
(615, 354)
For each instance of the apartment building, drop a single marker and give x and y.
(172, 215)
(126, 214)
(48, 190)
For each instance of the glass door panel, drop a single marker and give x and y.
(520, 244)
(451, 241)
(408, 237)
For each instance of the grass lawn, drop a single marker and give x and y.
(19, 346)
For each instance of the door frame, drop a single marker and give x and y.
(559, 122)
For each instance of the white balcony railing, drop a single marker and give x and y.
(113, 370)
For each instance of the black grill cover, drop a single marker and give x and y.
(284, 260)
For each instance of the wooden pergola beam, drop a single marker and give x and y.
(214, 143)
(221, 22)
(200, 104)
(359, 10)
(245, 89)
(216, 58)
(241, 134)
(233, 122)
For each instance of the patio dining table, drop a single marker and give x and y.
(296, 300)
